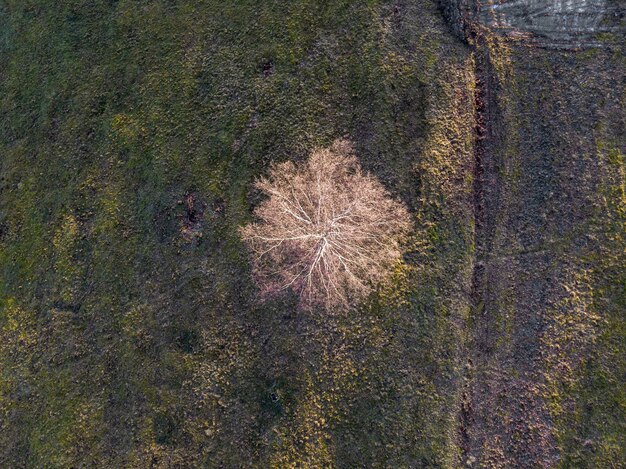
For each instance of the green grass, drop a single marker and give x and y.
(146, 344)
(129, 333)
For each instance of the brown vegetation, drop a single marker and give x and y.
(327, 230)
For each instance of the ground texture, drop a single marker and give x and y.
(131, 133)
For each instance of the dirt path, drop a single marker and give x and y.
(471, 428)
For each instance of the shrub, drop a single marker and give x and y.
(326, 230)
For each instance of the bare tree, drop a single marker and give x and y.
(327, 230)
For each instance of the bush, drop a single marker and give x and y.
(327, 231)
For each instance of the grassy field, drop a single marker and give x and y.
(131, 133)
(549, 347)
